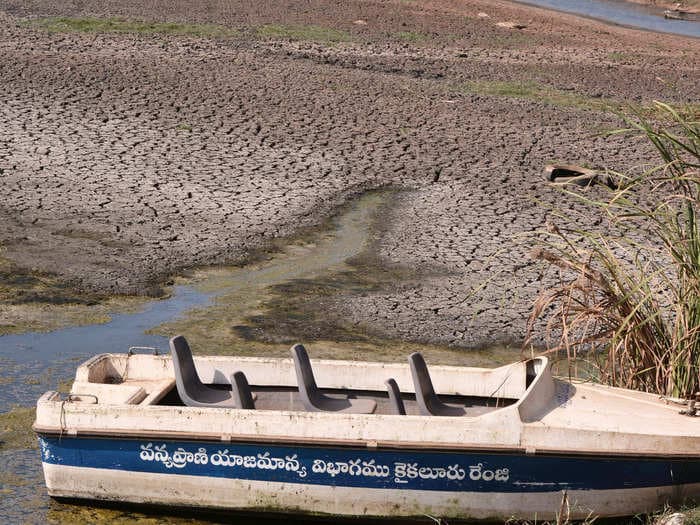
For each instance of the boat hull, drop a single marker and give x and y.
(370, 482)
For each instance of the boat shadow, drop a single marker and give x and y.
(69, 510)
(66, 510)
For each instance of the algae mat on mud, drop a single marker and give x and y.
(38, 302)
(281, 297)
(262, 309)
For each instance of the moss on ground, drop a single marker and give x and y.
(121, 25)
(312, 32)
(16, 429)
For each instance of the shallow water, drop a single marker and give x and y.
(33, 363)
(622, 13)
(37, 361)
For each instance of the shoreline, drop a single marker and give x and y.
(650, 17)
(689, 6)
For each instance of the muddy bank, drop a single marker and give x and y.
(131, 157)
(258, 309)
(692, 6)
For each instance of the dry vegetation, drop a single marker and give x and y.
(628, 305)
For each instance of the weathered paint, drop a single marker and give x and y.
(613, 451)
(252, 495)
(451, 471)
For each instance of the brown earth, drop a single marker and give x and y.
(126, 158)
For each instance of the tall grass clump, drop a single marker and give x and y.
(628, 298)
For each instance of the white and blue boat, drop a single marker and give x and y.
(362, 439)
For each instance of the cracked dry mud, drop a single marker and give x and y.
(127, 158)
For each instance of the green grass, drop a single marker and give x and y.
(617, 56)
(312, 33)
(538, 92)
(411, 36)
(529, 90)
(121, 25)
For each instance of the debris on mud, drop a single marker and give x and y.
(578, 175)
(511, 25)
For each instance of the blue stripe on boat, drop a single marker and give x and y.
(379, 469)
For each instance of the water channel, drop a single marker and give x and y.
(205, 305)
(622, 13)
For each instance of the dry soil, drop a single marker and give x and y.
(126, 158)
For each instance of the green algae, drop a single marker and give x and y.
(48, 316)
(293, 295)
(16, 429)
(122, 25)
(40, 302)
(10, 482)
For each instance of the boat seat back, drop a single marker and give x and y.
(427, 399)
(190, 388)
(395, 400)
(240, 390)
(316, 401)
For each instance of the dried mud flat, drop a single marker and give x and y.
(127, 158)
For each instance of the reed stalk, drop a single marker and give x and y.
(628, 298)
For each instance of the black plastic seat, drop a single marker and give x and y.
(395, 400)
(427, 399)
(313, 399)
(190, 388)
(240, 390)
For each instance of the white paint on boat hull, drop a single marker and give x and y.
(266, 496)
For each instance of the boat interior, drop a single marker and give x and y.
(298, 384)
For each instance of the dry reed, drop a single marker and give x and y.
(628, 300)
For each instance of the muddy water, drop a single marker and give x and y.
(205, 306)
(31, 363)
(622, 13)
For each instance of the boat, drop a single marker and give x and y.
(362, 439)
(679, 14)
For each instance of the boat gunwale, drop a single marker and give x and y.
(54, 398)
(84, 372)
